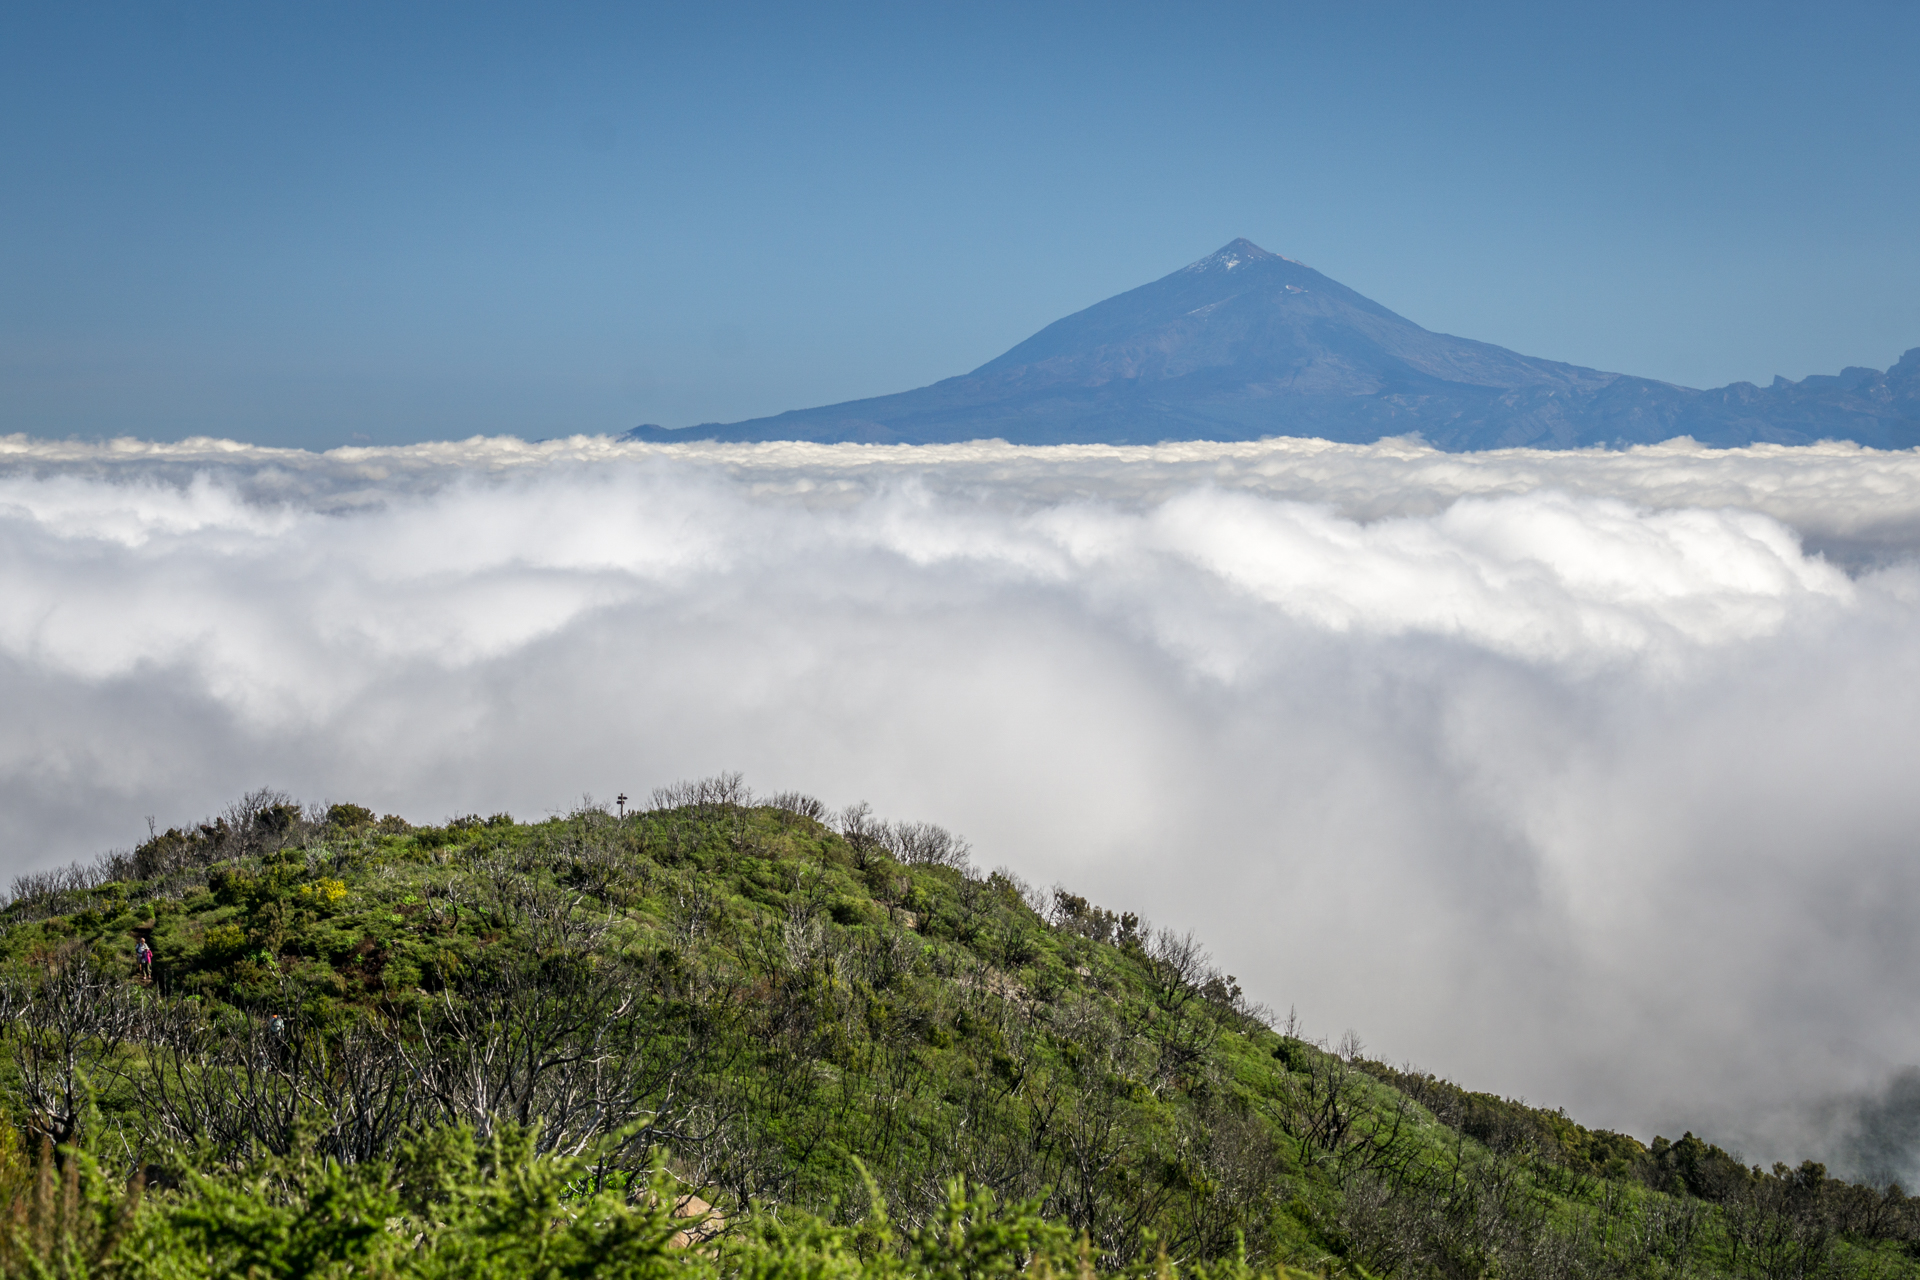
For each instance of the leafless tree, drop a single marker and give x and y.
(236, 1081)
(68, 1022)
(553, 1033)
(865, 835)
(729, 789)
(926, 845)
(798, 805)
(1180, 975)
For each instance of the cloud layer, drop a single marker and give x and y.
(1578, 776)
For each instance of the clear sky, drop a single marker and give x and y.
(316, 224)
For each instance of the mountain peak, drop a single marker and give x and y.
(1239, 253)
(1245, 344)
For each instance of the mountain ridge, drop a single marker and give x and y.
(1244, 344)
(352, 1043)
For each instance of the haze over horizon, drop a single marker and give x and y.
(381, 224)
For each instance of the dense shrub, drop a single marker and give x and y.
(484, 1047)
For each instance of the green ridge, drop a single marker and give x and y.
(388, 1045)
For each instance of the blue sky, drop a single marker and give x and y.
(320, 224)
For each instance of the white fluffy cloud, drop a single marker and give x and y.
(1582, 776)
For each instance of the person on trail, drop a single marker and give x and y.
(143, 956)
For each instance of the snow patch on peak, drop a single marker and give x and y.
(1237, 254)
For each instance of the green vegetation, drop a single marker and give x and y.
(551, 1048)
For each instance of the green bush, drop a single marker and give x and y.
(786, 1010)
(349, 817)
(451, 1205)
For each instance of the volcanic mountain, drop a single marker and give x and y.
(1245, 344)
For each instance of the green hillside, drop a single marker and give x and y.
(495, 1047)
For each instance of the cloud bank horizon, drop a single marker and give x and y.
(1583, 776)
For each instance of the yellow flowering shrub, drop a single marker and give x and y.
(325, 889)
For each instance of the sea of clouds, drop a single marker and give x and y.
(1588, 777)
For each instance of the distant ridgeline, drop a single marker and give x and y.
(1245, 344)
(732, 1036)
